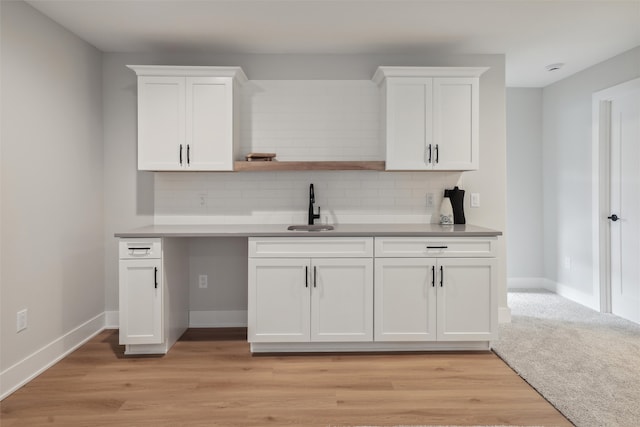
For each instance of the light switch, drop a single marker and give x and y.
(21, 320)
(475, 200)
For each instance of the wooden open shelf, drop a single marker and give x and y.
(256, 166)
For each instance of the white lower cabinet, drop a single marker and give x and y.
(279, 300)
(140, 301)
(315, 290)
(433, 295)
(153, 274)
(467, 299)
(405, 299)
(341, 299)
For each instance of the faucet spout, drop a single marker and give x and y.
(312, 199)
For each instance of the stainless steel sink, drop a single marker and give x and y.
(311, 227)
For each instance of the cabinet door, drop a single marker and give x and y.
(140, 301)
(405, 299)
(209, 128)
(342, 299)
(278, 300)
(409, 124)
(161, 121)
(467, 299)
(455, 123)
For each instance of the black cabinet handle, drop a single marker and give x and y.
(437, 153)
(306, 276)
(315, 277)
(613, 217)
(433, 276)
(441, 275)
(181, 154)
(139, 249)
(155, 276)
(188, 155)
(429, 153)
(437, 247)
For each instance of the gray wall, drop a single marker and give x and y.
(127, 192)
(524, 187)
(567, 175)
(52, 182)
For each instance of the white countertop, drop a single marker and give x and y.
(340, 230)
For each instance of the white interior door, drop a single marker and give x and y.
(625, 205)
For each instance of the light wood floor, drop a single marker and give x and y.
(209, 378)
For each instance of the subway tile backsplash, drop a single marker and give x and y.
(283, 197)
(311, 119)
(304, 120)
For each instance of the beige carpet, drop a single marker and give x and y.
(585, 363)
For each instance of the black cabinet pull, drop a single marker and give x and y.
(139, 249)
(441, 275)
(429, 153)
(437, 247)
(180, 154)
(306, 276)
(315, 277)
(613, 217)
(188, 155)
(155, 276)
(437, 153)
(433, 276)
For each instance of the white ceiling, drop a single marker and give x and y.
(532, 34)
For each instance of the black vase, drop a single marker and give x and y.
(457, 204)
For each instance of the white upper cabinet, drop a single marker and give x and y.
(430, 117)
(187, 117)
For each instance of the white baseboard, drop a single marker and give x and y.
(111, 319)
(568, 292)
(571, 293)
(218, 319)
(14, 377)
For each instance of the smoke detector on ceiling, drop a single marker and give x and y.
(554, 67)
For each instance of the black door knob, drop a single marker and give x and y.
(613, 217)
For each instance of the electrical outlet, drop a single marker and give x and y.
(475, 200)
(567, 263)
(203, 282)
(21, 320)
(431, 202)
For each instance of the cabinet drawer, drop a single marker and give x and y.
(140, 248)
(308, 247)
(401, 247)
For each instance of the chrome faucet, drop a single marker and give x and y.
(312, 200)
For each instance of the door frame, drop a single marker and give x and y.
(601, 180)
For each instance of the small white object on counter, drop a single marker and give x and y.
(446, 212)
